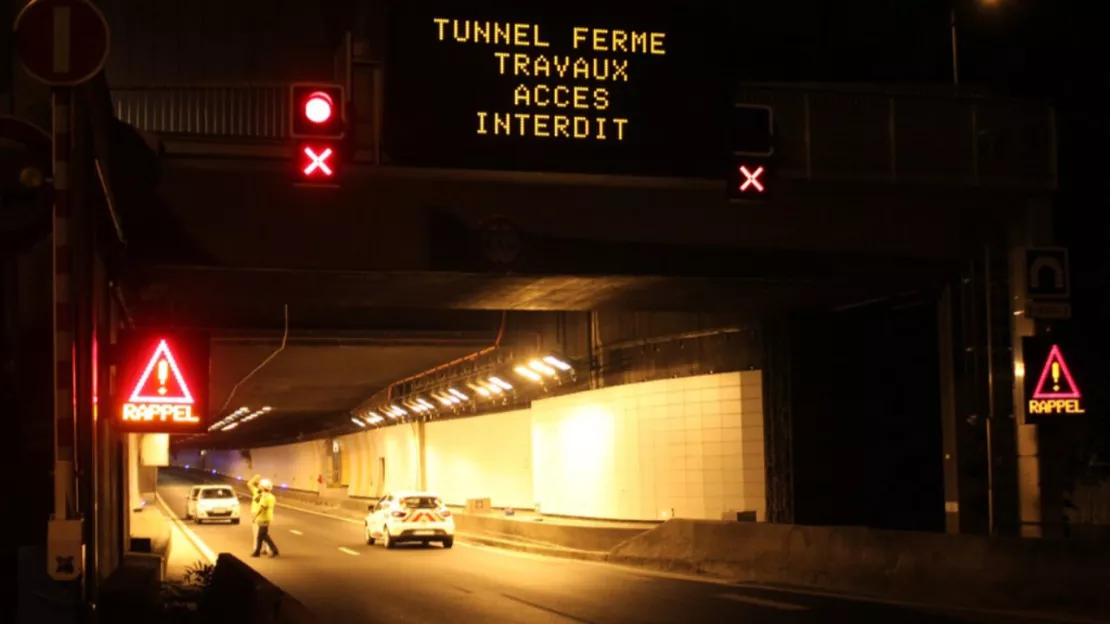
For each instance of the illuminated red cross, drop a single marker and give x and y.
(752, 178)
(318, 161)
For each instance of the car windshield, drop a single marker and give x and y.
(420, 502)
(217, 493)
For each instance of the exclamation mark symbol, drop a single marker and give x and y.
(164, 373)
(1055, 376)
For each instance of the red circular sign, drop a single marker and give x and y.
(61, 42)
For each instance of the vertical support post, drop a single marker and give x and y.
(84, 288)
(596, 351)
(64, 417)
(1035, 229)
(950, 442)
(423, 455)
(955, 47)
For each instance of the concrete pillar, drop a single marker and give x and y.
(422, 472)
(1034, 229)
(131, 456)
(155, 449)
(949, 413)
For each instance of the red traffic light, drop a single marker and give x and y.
(318, 107)
(317, 111)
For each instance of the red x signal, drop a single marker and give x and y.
(751, 179)
(317, 164)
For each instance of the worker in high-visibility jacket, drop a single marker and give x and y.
(256, 495)
(262, 517)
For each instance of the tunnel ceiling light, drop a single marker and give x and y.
(494, 388)
(479, 389)
(426, 404)
(231, 426)
(358, 422)
(445, 401)
(528, 373)
(397, 409)
(539, 366)
(375, 419)
(557, 363)
(267, 408)
(501, 383)
(458, 395)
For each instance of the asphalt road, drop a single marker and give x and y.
(326, 564)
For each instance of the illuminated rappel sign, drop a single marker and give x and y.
(161, 393)
(571, 86)
(1056, 391)
(166, 376)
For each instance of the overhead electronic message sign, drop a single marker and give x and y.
(162, 382)
(1055, 379)
(565, 87)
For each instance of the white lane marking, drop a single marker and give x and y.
(348, 551)
(763, 602)
(295, 532)
(62, 23)
(193, 537)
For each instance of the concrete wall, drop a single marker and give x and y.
(689, 447)
(482, 457)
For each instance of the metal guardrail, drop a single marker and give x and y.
(821, 134)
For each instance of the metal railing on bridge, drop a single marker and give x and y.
(822, 133)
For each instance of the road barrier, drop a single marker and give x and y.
(239, 595)
(958, 570)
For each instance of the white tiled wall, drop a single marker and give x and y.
(481, 457)
(691, 445)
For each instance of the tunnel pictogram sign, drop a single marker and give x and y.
(1056, 391)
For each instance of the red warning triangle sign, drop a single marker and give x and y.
(161, 381)
(1056, 381)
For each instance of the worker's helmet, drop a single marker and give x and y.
(266, 484)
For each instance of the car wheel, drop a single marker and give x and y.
(197, 520)
(235, 521)
(387, 539)
(369, 537)
(448, 542)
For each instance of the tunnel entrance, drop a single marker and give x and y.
(866, 417)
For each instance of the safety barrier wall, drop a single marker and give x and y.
(690, 447)
(971, 570)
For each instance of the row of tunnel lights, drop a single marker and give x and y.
(238, 417)
(490, 388)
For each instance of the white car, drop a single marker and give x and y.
(212, 502)
(410, 517)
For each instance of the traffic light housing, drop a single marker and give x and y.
(317, 111)
(752, 144)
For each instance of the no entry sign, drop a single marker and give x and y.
(61, 42)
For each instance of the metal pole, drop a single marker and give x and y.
(955, 47)
(64, 420)
(990, 385)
